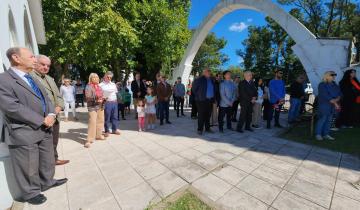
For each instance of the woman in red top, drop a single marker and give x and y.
(350, 103)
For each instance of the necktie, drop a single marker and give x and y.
(36, 90)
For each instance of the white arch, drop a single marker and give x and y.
(315, 54)
(28, 37)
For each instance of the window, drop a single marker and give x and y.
(12, 30)
(27, 30)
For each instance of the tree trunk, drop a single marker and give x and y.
(331, 17)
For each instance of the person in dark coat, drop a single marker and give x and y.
(138, 89)
(204, 92)
(349, 86)
(297, 93)
(247, 97)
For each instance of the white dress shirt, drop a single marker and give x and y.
(109, 89)
(21, 74)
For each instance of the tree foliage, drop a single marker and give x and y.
(122, 36)
(209, 54)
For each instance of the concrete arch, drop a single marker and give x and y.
(28, 32)
(312, 52)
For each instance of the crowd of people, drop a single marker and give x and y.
(32, 102)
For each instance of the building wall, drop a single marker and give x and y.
(16, 30)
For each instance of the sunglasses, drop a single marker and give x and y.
(333, 75)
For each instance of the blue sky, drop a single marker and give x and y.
(232, 27)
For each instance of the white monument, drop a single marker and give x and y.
(316, 55)
(21, 24)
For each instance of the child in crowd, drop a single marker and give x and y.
(126, 97)
(141, 115)
(150, 110)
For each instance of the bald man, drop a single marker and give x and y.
(42, 68)
(29, 117)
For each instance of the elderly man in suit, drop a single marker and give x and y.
(42, 68)
(29, 117)
(247, 97)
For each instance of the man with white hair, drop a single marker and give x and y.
(111, 105)
(42, 68)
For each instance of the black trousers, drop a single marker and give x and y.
(204, 114)
(179, 105)
(121, 108)
(33, 166)
(235, 109)
(245, 116)
(274, 112)
(79, 99)
(225, 111)
(55, 136)
(194, 112)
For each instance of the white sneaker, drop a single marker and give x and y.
(319, 137)
(328, 137)
(334, 129)
(140, 130)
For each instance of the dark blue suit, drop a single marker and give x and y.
(203, 102)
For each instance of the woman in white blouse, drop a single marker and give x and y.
(67, 91)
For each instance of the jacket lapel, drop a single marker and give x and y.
(21, 82)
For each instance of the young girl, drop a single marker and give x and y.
(141, 115)
(150, 109)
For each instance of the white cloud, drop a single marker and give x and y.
(249, 20)
(238, 27)
(240, 60)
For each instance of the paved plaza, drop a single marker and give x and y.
(228, 171)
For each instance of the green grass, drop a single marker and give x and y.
(187, 201)
(347, 140)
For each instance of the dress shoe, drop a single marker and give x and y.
(278, 126)
(200, 133)
(249, 129)
(161, 123)
(209, 131)
(168, 122)
(117, 132)
(106, 134)
(240, 130)
(61, 162)
(57, 183)
(37, 200)
(183, 115)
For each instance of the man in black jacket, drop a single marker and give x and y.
(297, 93)
(204, 92)
(247, 97)
(138, 89)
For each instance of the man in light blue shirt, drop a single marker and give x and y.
(179, 93)
(227, 98)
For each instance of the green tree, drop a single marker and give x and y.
(209, 54)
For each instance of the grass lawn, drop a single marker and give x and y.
(187, 201)
(347, 140)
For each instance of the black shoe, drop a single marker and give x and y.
(168, 122)
(221, 130)
(230, 129)
(249, 129)
(37, 200)
(233, 120)
(123, 118)
(161, 123)
(278, 126)
(183, 115)
(240, 130)
(200, 133)
(255, 126)
(177, 116)
(209, 131)
(56, 184)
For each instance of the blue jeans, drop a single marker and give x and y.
(111, 116)
(294, 112)
(323, 124)
(164, 110)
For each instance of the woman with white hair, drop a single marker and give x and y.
(328, 102)
(67, 91)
